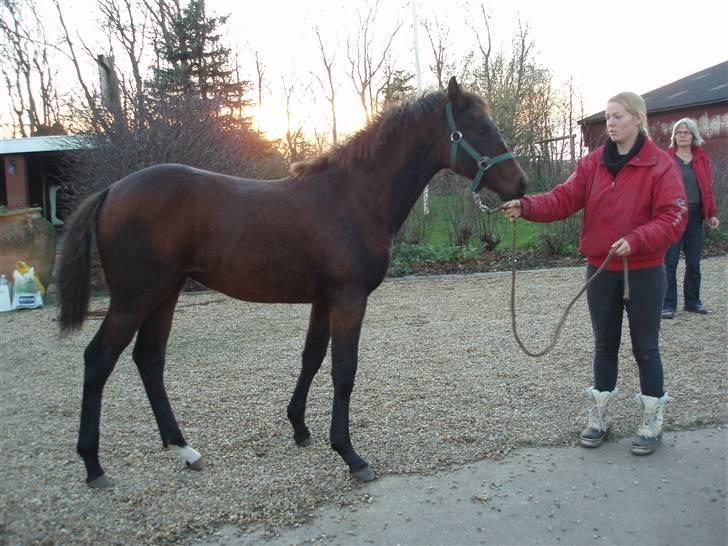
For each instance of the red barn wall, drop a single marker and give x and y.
(712, 122)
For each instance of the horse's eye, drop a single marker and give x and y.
(482, 131)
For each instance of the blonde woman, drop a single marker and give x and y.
(634, 203)
(686, 146)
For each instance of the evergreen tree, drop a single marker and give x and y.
(194, 67)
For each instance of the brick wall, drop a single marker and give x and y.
(16, 184)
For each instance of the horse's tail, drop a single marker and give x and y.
(74, 268)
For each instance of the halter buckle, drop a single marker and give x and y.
(456, 136)
(484, 163)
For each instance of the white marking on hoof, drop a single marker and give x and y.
(190, 456)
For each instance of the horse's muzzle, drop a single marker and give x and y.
(522, 185)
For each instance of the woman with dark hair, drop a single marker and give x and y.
(686, 146)
(634, 205)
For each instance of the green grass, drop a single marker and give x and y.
(527, 233)
(439, 248)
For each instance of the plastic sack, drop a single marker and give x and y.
(27, 289)
(5, 304)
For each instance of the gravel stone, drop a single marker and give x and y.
(441, 382)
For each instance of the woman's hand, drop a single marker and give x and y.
(512, 209)
(621, 248)
(713, 222)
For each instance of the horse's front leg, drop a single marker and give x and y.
(346, 321)
(314, 351)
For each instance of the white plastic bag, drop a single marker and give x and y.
(5, 304)
(27, 290)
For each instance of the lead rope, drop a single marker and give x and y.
(557, 332)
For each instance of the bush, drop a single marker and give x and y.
(716, 235)
(561, 238)
(408, 255)
(417, 228)
(489, 228)
(460, 213)
(188, 130)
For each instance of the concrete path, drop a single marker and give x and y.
(539, 496)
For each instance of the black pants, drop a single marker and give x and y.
(604, 297)
(692, 244)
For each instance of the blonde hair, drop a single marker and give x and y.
(692, 127)
(635, 105)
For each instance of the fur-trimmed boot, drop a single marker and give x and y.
(597, 428)
(649, 435)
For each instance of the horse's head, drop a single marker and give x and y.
(477, 149)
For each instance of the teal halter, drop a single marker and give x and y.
(484, 162)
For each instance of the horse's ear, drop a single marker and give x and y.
(454, 92)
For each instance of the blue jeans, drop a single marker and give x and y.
(692, 244)
(606, 309)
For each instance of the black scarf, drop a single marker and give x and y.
(611, 158)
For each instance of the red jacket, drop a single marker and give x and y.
(704, 173)
(645, 204)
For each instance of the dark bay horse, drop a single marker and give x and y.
(322, 236)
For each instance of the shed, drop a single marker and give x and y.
(32, 172)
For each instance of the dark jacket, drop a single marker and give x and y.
(644, 204)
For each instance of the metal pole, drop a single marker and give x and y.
(415, 24)
(418, 79)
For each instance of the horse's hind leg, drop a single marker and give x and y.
(149, 356)
(314, 351)
(100, 357)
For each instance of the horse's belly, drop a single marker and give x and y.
(271, 287)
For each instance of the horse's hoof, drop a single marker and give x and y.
(365, 474)
(102, 482)
(199, 464)
(304, 442)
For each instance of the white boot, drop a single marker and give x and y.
(597, 428)
(649, 434)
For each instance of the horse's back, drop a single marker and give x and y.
(172, 181)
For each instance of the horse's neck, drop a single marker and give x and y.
(410, 171)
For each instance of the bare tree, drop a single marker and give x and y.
(91, 102)
(260, 69)
(485, 46)
(517, 88)
(365, 63)
(260, 74)
(123, 22)
(296, 146)
(328, 87)
(437, 35)
(162, 12)
(396, 86)
(192, 99)
(27, 71)
(321, 141)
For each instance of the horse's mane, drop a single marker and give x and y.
(365, 146)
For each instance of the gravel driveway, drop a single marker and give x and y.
(441, 382)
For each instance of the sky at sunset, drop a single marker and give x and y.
(606, 47)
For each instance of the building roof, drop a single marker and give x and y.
(43, 144)
(709, 86)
